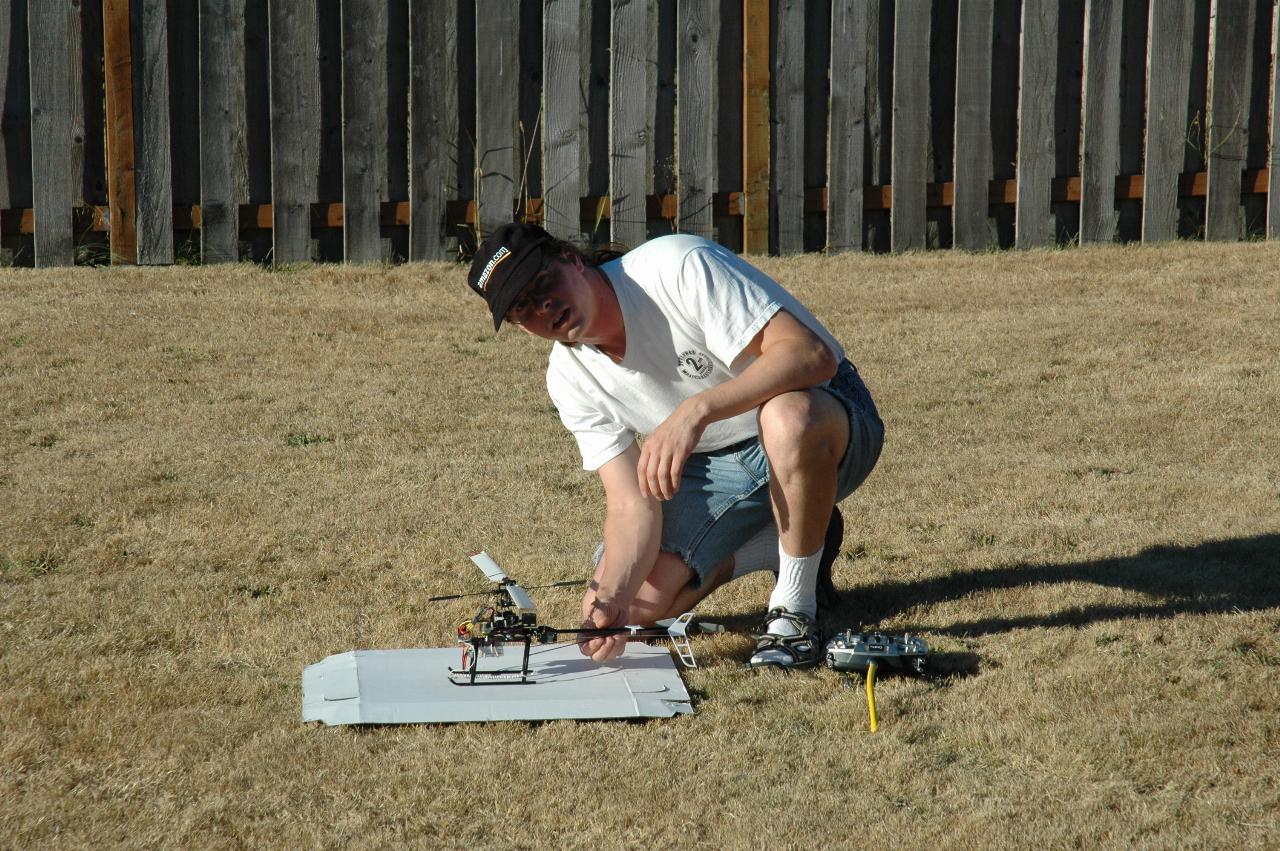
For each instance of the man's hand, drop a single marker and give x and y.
(665, 451)
(599, 614)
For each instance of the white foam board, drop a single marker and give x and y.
(413, 687)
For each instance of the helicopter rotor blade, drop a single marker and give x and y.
(568, 583)
(489, 567)
(457, 596)
(518, 596)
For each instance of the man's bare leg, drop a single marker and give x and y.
(666, 593)
(804, 434)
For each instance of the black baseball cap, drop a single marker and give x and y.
(507, 261)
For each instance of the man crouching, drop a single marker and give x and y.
(755, 424)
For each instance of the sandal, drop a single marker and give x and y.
(802, 650)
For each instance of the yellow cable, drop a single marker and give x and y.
(871, 695)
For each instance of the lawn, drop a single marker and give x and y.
(211, 477)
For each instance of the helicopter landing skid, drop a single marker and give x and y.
(490, 678)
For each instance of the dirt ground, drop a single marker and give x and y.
(211, 477)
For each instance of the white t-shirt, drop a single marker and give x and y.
(690, 306)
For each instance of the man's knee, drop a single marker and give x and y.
(802, 427)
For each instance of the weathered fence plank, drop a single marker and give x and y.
(49, 29)
(295, 119)
(219, 133)
(249, 101)
(696, 89)
(1169, 69)
(1037, 78)
(910, 124)
(364, 101)
(76, 102)
(151, 99)
(561, 119)
(1273, 170)
(433, 112)
(1100, 145)
(1228, 134)
(846, 152)
(117, 57)
(629, 127)
(497, 91)
(971, 193)
(755, 126)
(788, 127)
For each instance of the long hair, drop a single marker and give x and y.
(595, 256)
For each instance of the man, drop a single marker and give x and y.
(755, 425)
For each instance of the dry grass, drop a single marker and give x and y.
(211, 477)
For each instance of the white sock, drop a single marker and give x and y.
(758, 553)
(796, 590)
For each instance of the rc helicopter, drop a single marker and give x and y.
(512, 619)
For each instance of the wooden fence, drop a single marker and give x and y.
(155, 131)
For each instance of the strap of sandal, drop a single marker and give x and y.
(799, 620)
(788, 643)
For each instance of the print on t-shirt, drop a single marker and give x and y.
(695, 364)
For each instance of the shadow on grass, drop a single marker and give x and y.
(953, 664)
(1236, 574)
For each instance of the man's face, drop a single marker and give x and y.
(557, 304)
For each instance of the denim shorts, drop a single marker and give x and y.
(724, 494)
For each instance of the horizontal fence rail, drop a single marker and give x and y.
(158, 131)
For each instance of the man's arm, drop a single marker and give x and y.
(632, 533)
(788, 357)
